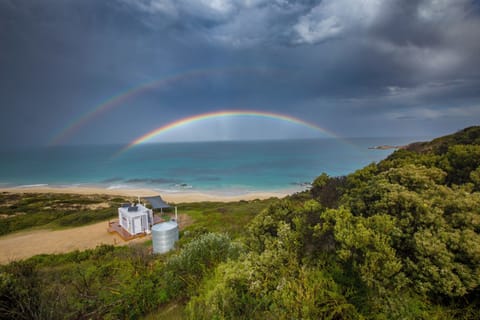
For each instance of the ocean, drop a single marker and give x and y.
(219, 167)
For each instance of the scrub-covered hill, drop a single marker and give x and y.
(398, 239)
(394, 240)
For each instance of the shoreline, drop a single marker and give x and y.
(173, 197)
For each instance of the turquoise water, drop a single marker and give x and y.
(229, 167)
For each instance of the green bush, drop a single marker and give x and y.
(185, 270)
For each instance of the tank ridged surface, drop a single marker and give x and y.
(164, 236)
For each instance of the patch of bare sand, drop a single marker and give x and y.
(25, 244)
(96, 206)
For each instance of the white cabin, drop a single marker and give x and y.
(135, 219)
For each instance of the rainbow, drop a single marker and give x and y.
(219, 114)
(130, 94)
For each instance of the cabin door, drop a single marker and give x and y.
(137, 225)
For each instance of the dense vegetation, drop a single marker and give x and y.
(124, 282)
(23, 211)
(394, 240)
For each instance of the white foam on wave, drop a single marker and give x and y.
(118, 186)
(38, 185)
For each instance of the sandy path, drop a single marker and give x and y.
(25, 244)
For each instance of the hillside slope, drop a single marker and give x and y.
(395, 240)
(398, 240)
(467, 136)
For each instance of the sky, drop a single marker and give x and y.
(88, 71)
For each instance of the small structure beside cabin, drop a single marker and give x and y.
(164, 236)
(135, 219)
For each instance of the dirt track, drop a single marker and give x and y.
(25, 244)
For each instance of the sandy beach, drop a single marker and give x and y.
(169, 197)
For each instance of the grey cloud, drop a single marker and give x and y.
(234, 23)
(328, 61)
(405, 118)
(154, 6)
(334, 18)
(216, 10)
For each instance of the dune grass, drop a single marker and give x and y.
(20, 211)
(230, 217)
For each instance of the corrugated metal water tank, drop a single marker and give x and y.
(164, 236)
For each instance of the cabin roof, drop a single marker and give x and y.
(157, 202)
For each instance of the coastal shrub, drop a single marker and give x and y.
(460, 161)
(401, 247)
(270, 285)
(264, 229)
(185, 270)
(19, 292)
(435, 227)
(328, 190)
(103, 283)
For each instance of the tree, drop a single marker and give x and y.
(460, 161)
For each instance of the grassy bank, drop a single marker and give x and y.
(20, 211)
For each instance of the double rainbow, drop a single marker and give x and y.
(130, 94)
(120, 99)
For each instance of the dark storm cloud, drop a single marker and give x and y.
(357, 67)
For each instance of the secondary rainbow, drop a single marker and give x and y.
(120, 99)
(219, 114)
